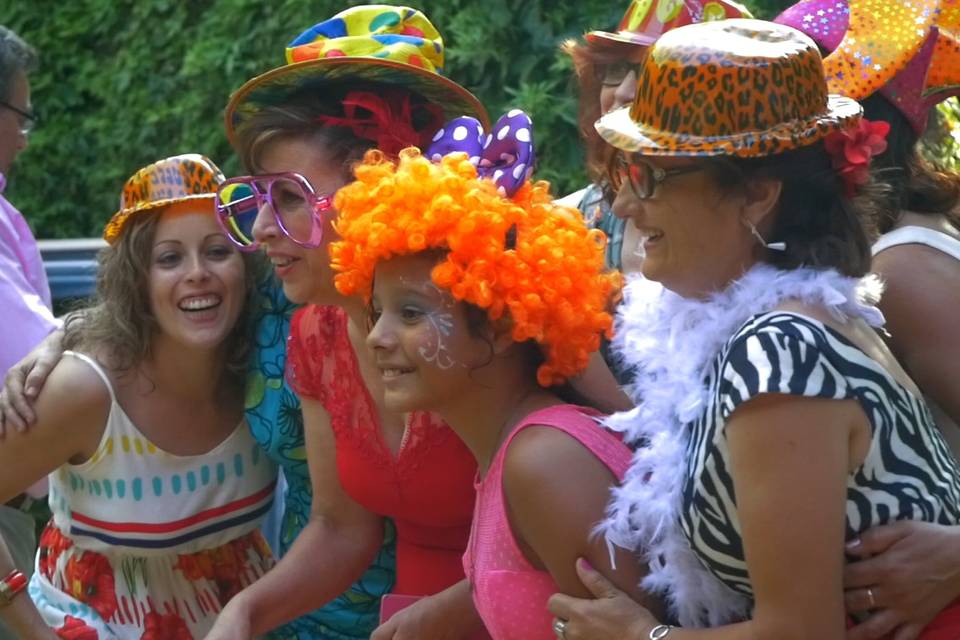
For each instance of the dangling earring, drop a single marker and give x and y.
(773, 246)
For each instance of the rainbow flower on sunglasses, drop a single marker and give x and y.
(297, 208)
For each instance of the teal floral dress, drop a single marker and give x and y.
(598, 213)
(273, 412)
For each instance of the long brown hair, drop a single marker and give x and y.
(120, 325)
(916, 184)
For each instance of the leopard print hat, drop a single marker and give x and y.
(182, 178)
(738, 87)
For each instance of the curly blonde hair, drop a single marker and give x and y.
(528, 260)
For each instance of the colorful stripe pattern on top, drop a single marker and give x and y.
(147, 544)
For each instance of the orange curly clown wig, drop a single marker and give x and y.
(527, 257)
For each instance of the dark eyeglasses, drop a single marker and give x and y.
(642, 176)
(615, 73)
(28, 120)
(297, 208)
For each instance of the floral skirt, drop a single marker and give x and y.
(87, 595)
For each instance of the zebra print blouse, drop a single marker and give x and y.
(909, 472)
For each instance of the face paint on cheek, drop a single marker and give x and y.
(440, 327)
(434, 350)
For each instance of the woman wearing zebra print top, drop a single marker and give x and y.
(776, 425)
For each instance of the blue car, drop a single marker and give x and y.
(71, 267)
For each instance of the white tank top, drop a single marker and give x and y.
(951, 246)
(919, 235)
(145, 543)
(134, 497)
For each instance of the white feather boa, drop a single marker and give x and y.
(672, 342)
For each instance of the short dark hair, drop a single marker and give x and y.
(298, 115)
(820, 225)
(916, 184)
(16, 56)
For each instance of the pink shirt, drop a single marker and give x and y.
(25, 306)
(511, 594)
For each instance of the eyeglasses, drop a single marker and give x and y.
(615, 73)
(27, 119)
(642, 176)
(297, 208)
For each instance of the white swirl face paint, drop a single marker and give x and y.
(441, 324)
(434, 348)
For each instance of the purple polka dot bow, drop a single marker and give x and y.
(505, 155)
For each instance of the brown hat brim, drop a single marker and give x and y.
(619, 39)
(622, 132)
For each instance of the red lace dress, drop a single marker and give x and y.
(426, 489)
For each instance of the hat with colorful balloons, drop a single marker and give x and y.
(381, 44)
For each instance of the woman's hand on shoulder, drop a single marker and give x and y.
(609, 615)
(23, 382)
(911, 570)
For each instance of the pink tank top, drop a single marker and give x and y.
(509, 593)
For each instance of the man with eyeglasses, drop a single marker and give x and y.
(24, 292)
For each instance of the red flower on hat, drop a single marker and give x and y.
(852, 149)
(76, 629)
(89, 579)
(165, 627)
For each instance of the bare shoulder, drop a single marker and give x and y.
(73, 383)
(556, 491)
(918, 278)
(72, 411)
(544, 459)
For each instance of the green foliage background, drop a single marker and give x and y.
(123, 83)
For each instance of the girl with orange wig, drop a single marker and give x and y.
(481, 308)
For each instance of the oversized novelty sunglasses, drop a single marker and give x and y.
(642, 176)
(297, 208)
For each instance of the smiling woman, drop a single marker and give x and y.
(156, 485)
(773, 425)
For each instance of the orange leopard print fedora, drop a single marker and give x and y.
(182, 178)
(738, 87)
